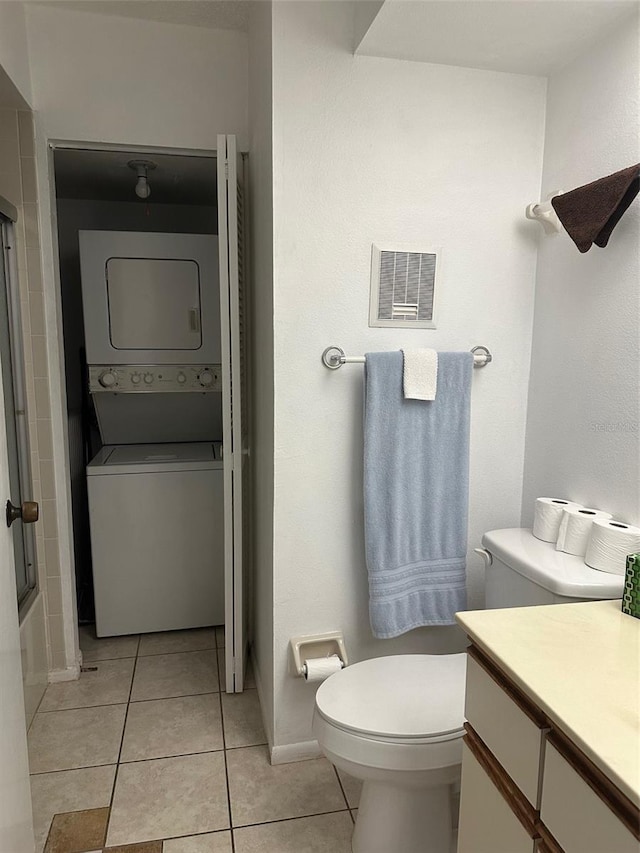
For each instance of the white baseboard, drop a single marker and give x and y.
(69, 673)
(291, 752)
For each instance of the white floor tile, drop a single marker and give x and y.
(64, 740)
(108, 685)
(242, 718)
(169, 797)
(330, 833)
(165, 727)
(68, 791)
(107, 648)
(212, 842)
(182, 674)
(262, 792)
(352, 789)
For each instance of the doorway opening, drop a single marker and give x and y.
(144, 289)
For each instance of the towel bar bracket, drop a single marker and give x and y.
(334, 357)
(481, 356)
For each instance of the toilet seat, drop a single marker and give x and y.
(400, 699)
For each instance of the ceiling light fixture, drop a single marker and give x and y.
(142, 168)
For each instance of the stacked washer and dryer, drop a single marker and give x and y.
(151, 310)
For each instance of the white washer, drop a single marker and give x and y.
(156, 513)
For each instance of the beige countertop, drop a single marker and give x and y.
(579, 663)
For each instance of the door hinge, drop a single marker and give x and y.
(226, 169)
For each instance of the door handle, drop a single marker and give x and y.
(28, 511)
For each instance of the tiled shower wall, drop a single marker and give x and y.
(18, 185)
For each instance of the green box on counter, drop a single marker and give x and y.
(631, 593)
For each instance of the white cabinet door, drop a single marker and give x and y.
(234, 402)
(487, 824)
(579, 820)
(16, 827)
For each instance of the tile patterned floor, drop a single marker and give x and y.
(146, 753)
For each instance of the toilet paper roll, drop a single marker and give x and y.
(575, 528)
(317, 669)
(548, 516)
(609, 544)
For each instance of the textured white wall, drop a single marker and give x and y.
(108, 79)
(583, 437)
(367, 150)
(261, 321)
(14, 57)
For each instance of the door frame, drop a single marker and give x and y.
(45, 148)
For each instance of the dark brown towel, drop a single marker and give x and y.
(590, 213)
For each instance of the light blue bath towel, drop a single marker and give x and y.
(416, 484)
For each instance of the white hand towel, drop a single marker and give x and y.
(420, 375)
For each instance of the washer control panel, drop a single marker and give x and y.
(141, 378)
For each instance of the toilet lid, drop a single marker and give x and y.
(403, 696)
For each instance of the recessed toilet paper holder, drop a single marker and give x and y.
(316, 646)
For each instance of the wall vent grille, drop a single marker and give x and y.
(403, 288)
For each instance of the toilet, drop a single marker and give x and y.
(396, 723)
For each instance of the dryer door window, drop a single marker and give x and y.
(154, 304)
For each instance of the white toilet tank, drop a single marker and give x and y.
(523, 571)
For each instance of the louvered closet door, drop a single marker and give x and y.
(233, 313)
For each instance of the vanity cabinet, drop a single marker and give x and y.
(526, 788)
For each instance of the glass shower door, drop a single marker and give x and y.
(16, 422)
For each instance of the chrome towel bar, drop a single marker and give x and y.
(334, 357)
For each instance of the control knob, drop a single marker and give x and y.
(135, 378)
(108, 379)
(181, 378)
(148, 378)
(205, 378)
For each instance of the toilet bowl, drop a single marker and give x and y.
(396, 723)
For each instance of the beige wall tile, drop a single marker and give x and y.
(41, 551)
(10, 186)
(36, 313)
(45, 445)
(31, 230)
(58, 659)
(56, 632)
(39, 352)
(28, 176)
(9, 151)
(49, 518)
(41, 394)
(34, 269)
(21, 258)
(25, 318)
(47, 480)
(9, 124)
(52, 557)
(54, 596)
(26, 133)
(33, 431)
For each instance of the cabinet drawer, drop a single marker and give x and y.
(574, 813)
(487, 823)
(514, 735)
